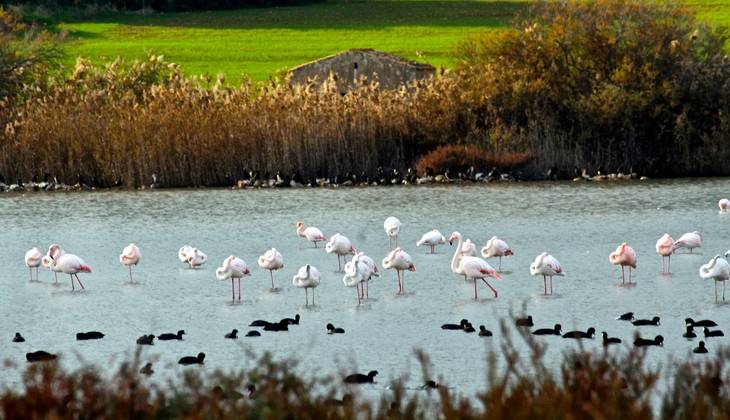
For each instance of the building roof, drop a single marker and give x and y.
(376, 54)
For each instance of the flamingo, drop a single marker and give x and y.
(33, 259)
(624, 256)
(471, 267)
(400, 261)
(689, 240)
(664, 248)
(307, 278)
(496, 247)
(358, 272)
(271, 260)
(48, 263)
(547, 266)
(340, 245)
(233, 268)
(193, 256)
(468, 248)
(392, 227)
(724, 205)
(312, 234)
(716, 269)
(47, 259)
(432, 239)
(375, 272)
(130, 256)
(68, 263)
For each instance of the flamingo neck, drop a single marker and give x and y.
(455, 258)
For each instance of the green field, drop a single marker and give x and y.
(262, 41)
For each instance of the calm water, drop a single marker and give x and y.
(580, 224)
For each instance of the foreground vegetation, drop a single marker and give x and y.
(614, 384)
(608, 85)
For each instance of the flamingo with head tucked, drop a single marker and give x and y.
(724, 205)
(233, 268)
(358, 272)
(307, 278)
(547, 266)
(312, 234)
(68, 263)
(399, 261)
(341, 246)
(130, 256)
(47, 260)
(690, 240)
(271, 260)
(33, 259)
(718, 270)
(392, 228)
(472, 268)
(496, 247)
(664, 247)
(192, 256)
(431, 239)
(624, 256)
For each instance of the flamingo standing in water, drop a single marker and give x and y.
(689, 240)
(307, 278)
(624, 256)
(312, 234)
(716, 269)
(68, 263)
(33, 259)
(547, 266)
(392, 228)
(664, 247)
(47, 259)
(130, 256)
(358, 273)
(399, 261)
(472, 268)
(496, 247)
(431, 239)
(271, 260)
(233, 268)
(341, 246)
(724, 205)
(47, 262)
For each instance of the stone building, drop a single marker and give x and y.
(392, 71)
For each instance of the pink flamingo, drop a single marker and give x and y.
(233, 268)
(496, 247)
(432, 239)
(341, 246)
(399, 261)
(271, 260)
(547, 266)
(690, 240)
(33, 259)
(69, 264)
(130, 256)
(724, 205)
(312, 234)
(472, 268)
(624, 256)
(665, 247)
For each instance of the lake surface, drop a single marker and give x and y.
(578, 223)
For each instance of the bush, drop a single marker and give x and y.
(627, 83)
(459, 158)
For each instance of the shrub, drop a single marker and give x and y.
(459, 158)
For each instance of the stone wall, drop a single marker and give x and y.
(349, 66)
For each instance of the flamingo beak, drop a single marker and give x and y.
(412, 267)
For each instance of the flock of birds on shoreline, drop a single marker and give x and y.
(361, 269)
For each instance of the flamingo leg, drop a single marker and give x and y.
(496, 295)
(339, 265)
(551, 285)
(402, 281)
(315, 244)
(500, 264)
(358, 293)
(475, 289)
(271, 274)
(622, 275)
(367, 289)
(715, 291)
(669, 265)
(72, 286)
(233, 292)
(306, 297)
(239, 289)
(433, 249)
(79, 280)
(130, 274)
(56, 276)
(31, 273)
(312, 297)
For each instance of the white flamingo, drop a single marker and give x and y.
(431, 239)
(724, 205)
(69, 264)
(399, 261)
(312, 234)
(271, 260)
(47, 262)
(358, 272)
(341, 246)
(47, 259)
(307, 278)
(130, 256)
(718, 270)
(468, 248)
(623, 256)
(665, 247)
(472, 268)
(33, 259)
(392, 228)
(496, 247)
(690, 240)
(547, 266)
(192, 256)
(233, 268)
(183, 252)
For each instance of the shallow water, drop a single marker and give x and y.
(580, 224)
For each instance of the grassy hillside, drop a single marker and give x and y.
(261, 42)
